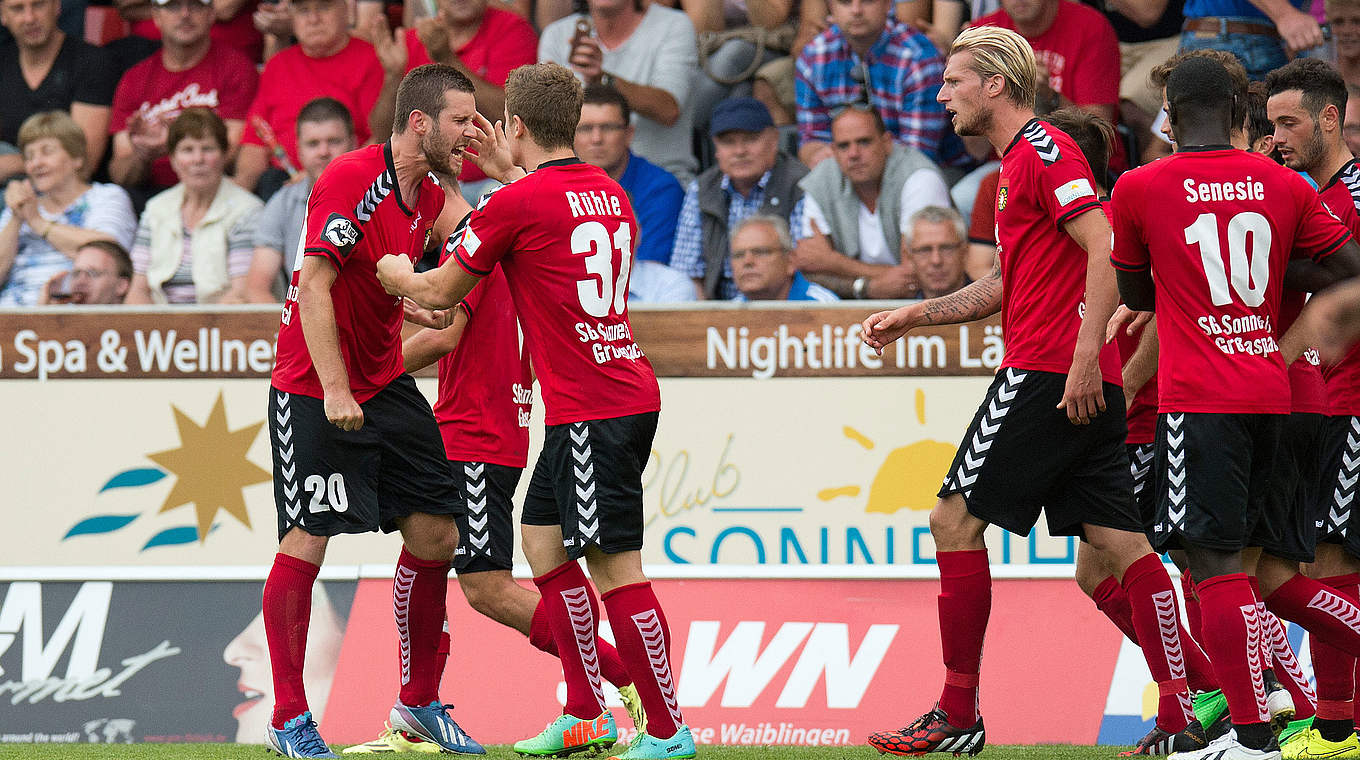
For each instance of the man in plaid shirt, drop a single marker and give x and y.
(867, 56)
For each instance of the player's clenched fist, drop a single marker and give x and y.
(392, 271)
(885, 327)
(343, 411)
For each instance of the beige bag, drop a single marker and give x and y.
(779, 39)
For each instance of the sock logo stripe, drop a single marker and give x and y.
(988, 425)
(1169, 629)
(1338, 607)
(401, 610)
(582, 617)
(1284, 653)
(654, 641)
(1254, 664)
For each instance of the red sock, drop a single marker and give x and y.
(965, 603)
(1319, 609)
(573, 614)
(1193, 619)
(645, 644)
(287, 611)
(1110, 599)
(611, 667)
(1288, 670)
(1267, 654)
(441, 655)
(418, 593)
(1335, 669)
(1232, 639)
(1152, 599)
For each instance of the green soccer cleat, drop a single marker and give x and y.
(1295, 728)
(632, 702)
(390, 742)
(568, 735)
(647, 747)
(1210, 709)
(1309, 745)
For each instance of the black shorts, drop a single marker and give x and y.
(1339, 452)
(1286, 527)
(329, 481)
(487, 530)
(589, 481)
(1213, 478)
(1142, 460)
(1022, 456)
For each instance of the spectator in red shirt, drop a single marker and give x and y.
(232, 25)
(484, 43)
(1075, 47)
(190, 71)
(325, 62)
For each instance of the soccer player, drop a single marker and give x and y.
(1307, 104)
(483, 409)
(1049, 436)
(1215, 258)
(566, 265)
(355, 444)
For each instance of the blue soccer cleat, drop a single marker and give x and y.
(298, 738)
(433, 724)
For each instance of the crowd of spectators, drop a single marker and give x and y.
(162, 151)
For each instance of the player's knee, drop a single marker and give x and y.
(953, 528)
(480, 595)
(438, 544)
(1089, 575)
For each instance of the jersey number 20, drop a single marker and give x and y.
(603, 289)
(1248, 270)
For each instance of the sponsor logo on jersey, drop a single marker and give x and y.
(341, 233)
(1077, 188)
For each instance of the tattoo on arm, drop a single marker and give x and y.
(980, 299)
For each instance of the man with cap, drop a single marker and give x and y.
(752, 176)
(190, 71)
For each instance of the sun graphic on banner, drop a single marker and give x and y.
(909, 477)
(210, 467)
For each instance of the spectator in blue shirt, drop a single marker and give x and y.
(1260, 33)
(603, 138)
(762, 263)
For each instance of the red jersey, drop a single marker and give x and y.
(567, 265)
(290, 80)
(355, 216)
(238, 33)
(1080, 51)
(1142, 413)
(1045, 182)
(1342, 196)
(1226, 224)
(223, 81)
(485, 388)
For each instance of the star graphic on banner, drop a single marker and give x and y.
(211, 467)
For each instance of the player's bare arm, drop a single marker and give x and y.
(1143, 364)
(1334, 316)
(323, 342)
(435, 319)
(980, 299)
(430, 345)
(436, 289)
(1312, 276)
(1084, 395)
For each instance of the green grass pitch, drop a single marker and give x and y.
(257, 752)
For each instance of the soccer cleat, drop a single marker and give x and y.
(1226, 747)
(390, 741)
(433, 724)
(568, 734)
(1308, 744)
(297, 738)
(1190, 738)
(1294, 728)
(1211, 710)
(1279, 702)
(648, 747)
(632, 702)
(931, 733)
(1157, 742)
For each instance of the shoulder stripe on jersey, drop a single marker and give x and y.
(1042, 142)
(380, 189)
(1078, 211)
(1333, 248)
(1351, 178)
(328, 253)
(1117, 264)
(470, 268)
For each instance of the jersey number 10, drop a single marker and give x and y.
(1249, 269)
(603, 290)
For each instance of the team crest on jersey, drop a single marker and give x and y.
(341, 233)
(1002, 193)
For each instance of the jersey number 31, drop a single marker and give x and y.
(603, 289)
(1248, 270)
